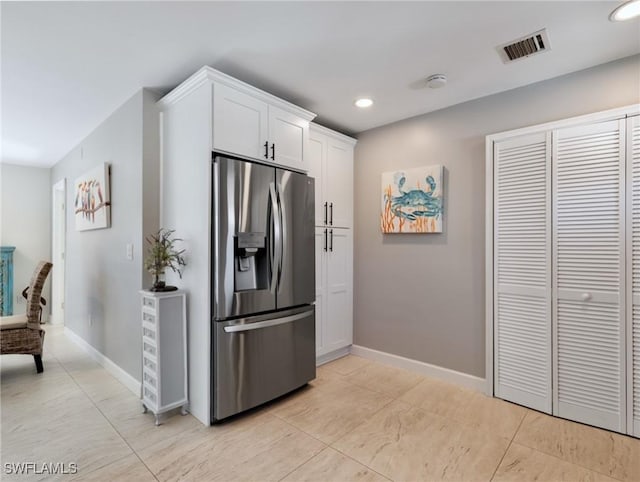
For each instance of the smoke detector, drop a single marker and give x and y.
(535, 43)
(436, 81)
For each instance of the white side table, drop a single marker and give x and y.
(164, 352)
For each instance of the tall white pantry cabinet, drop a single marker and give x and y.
(211, 111)
(563, 268)
(331, 164)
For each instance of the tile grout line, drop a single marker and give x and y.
(329, 445)
(358, 462)
(568, 462)
(305, 462)
(107, 420)
(508, 447)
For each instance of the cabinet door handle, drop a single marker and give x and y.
(325, 240)
(273, 152)
(331, 214)
(325, 213)
(331, 245)
(266, 150)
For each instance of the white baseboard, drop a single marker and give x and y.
(123, 377)
(434, 371)
(333, 355)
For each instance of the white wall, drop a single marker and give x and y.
(25, 222)
(101, 286)
(422, 296)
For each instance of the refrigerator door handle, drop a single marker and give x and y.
(284, 236)
(265, 324)
(276, 242)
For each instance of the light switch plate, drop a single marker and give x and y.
(130, 251)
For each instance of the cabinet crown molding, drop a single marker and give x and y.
(210, 75)
(331, 133)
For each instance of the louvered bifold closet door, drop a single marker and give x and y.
(522, 271)
(633, 275)
(589, 271)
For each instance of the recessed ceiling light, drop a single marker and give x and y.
(363, 102)
(626, 11)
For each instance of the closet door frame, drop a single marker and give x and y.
(633, 428)
(612, 114)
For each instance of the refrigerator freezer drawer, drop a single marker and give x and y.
(261, 358)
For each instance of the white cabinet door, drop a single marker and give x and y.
(288, 136)
(317, 154)
(339, 184)
(589, 329)
(321, 289)
(338, 326)
(522, 271)
(239, 123)
(633, 274)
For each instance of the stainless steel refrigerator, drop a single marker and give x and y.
(263, 281)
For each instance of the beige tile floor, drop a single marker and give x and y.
(358, 421)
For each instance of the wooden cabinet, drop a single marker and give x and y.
(250, 123)
(6, 280)
(164, 352)
(331, 163)
(334, 290)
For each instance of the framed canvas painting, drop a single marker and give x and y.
(412, 200)
(92, 204)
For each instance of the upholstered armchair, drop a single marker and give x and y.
(22, 334)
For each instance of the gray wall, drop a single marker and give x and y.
(422, 296)
(101, 286)
(25, 222)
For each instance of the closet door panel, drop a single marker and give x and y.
(522, 271)
(589, 271)
(633, 276)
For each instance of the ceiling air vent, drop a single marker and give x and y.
(535, 43)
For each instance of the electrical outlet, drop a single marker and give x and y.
(130, 251)
(20, 300)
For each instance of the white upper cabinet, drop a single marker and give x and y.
(288, 136)
(339, 186)
(331, 163)
(317, 153)
(239, 122)
(250, 123)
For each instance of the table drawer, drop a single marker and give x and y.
(149, 379)
(149, 302)
(149, 394)
(149, 318)
(149, 364)
(150, 348)
(149, 332)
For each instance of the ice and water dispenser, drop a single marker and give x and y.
(251, 262)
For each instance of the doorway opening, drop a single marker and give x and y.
(58, 246)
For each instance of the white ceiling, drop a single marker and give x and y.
(67, 66)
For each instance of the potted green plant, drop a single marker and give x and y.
(162, 254)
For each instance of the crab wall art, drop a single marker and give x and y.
(412, 200)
